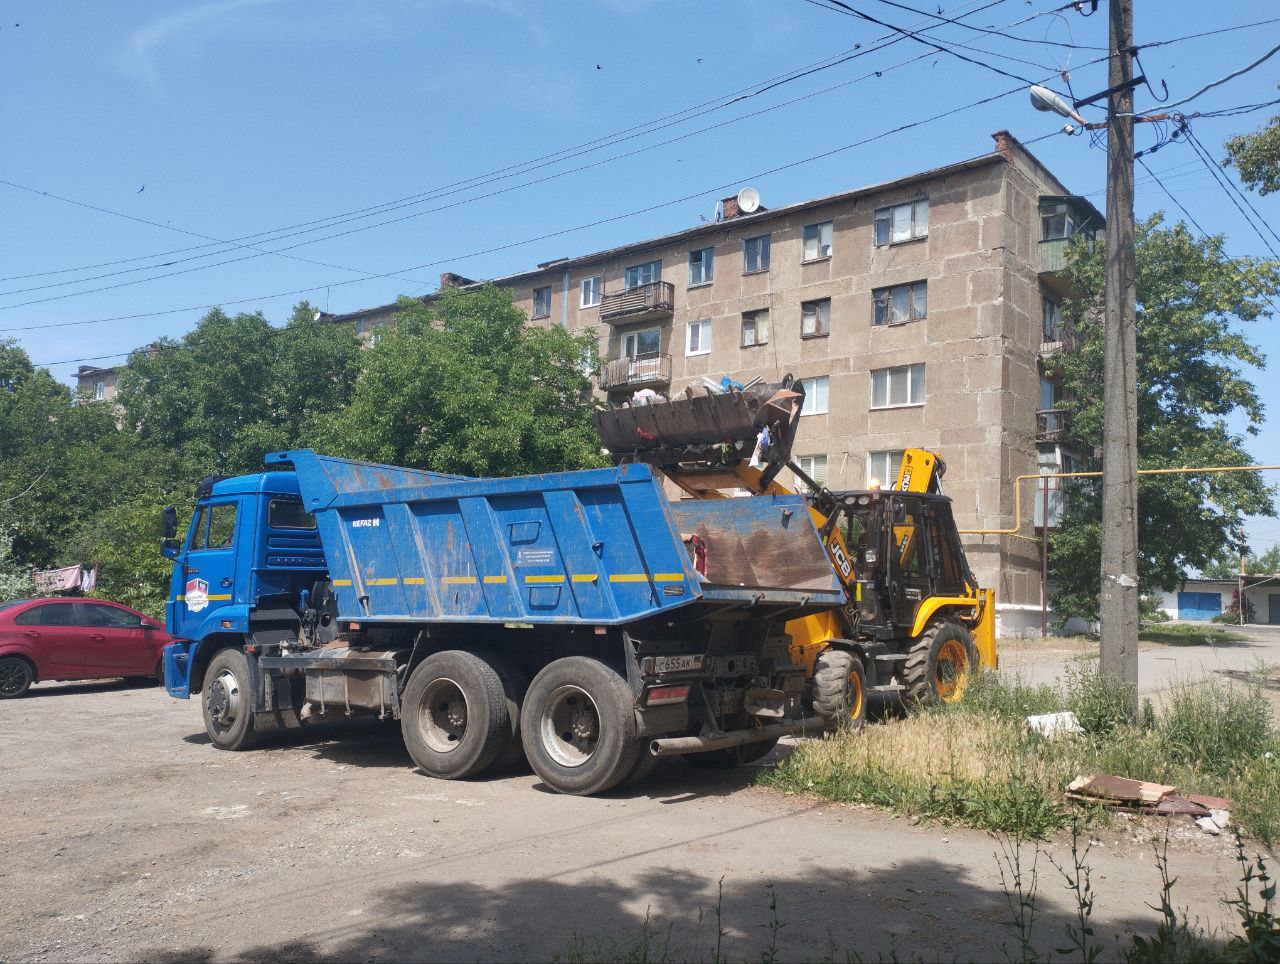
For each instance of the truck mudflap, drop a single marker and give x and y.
(342, 678)
(680, 745)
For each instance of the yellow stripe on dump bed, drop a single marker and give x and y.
(586, 577)
(342, 582)
(414, 581)
(544, 578)
(494, 580)
(381, 582)
(459, 580)
(629, 577)
(668, 577)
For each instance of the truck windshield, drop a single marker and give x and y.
(284, 514)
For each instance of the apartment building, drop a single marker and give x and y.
(918, 312)
(97, 384)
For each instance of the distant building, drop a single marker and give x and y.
(1200, 600)
(97, 384)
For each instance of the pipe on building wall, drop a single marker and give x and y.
(564, 304)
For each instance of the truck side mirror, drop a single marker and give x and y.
(169, 523)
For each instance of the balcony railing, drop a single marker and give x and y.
(1051, 425)
(636, 372)
(642, 301)
(1053, 254)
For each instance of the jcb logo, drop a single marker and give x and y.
(906, 481)
(840, 558)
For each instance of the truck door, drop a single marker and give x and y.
(209, 566)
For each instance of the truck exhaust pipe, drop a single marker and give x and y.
(673, 745)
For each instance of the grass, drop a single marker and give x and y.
(977, 764)
(1184, 634)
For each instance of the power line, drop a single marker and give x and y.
(994, 33)
(1220, 81)
(1207, 33)
(654, 207)
(1229, 189)
(839, 6)
(638, 130)
(467, 200)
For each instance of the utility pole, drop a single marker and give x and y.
(1118, 600)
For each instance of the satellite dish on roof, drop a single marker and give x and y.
(748, 200)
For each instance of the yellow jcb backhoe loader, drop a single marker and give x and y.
(915, 623)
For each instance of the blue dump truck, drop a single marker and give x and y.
(579, 618)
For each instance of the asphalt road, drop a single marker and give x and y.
(127, 836)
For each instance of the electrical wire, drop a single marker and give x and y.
(457, 203)
(513, 170)
(654, 207)
(996, 33)
(839, 6)
(1217, 83)
(1233, 193)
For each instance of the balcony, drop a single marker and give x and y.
(636, 373)
(1061, 339)
(1051, 425)
(1053, 255)
(639, 303)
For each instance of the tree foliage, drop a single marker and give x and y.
(1226, 565)
(465, 385)
(460, 386)
(1192, 384)
(1257, 157)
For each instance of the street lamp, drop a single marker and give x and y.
(1042, 98)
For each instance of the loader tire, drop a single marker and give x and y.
(227, 701)
(938, 666)
(578, 725)
(839, 689)
(454, 715)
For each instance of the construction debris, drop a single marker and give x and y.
(1211, 814)
(1054, 724)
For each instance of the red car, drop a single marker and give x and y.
(61, 639)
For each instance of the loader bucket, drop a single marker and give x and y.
(697, 426)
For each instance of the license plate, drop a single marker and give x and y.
(677, 664)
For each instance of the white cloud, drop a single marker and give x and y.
(183, 28)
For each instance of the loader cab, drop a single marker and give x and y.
(248, 545)
(908, 551)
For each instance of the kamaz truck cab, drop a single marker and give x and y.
(247, 566)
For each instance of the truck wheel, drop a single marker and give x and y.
(515, 683)
(228, 713)
(645, 764)
(839, 689)
(579, 726)
(454, 715)
(730, 757)
(15, 677)
(939, 665)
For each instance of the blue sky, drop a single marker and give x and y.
(234, 117)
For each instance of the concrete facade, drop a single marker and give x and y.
(97, 384)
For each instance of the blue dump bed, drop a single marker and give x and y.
(600, 546)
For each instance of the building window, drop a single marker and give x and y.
(902, 222)
(701, 266)
(1050, 395)
(642, 344)
(815, 395)
(882, 467)
(99, 391)
(895, 387)
(642, 274)
(814, 466)
(817, 241)
(698, 339)
(755, 328)
(1056, 222)
(900, 303)
(542, 302)
(755, 254)
(591, 290)
(815, 318)
(1052, 316)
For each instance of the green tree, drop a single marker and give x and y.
(1227, 564)
(1192, 298)
(1257, 157)
(465, 385)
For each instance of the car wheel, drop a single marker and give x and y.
(15, 677)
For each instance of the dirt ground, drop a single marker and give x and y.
(127, 836)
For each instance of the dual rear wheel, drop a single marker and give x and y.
(463, 713)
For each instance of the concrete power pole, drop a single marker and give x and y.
(1119, 592)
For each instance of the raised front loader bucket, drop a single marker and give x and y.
(705, 428)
